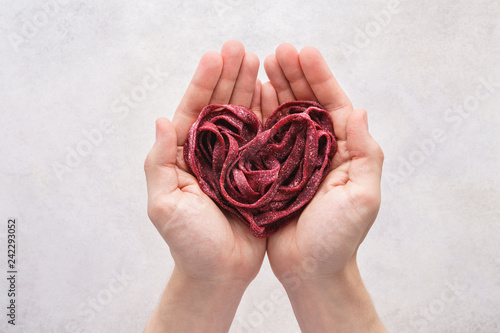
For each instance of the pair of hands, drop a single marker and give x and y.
(211, 247)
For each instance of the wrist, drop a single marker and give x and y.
(333, 303)
(193, 305)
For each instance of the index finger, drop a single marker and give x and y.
(198, 94)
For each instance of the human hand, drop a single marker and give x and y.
(214, 253)
(314, 256)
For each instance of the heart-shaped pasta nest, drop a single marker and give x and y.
(264, 174)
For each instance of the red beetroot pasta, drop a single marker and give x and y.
(263, 174)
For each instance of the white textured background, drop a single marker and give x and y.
(90, 260)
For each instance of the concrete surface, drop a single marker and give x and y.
(89, 260)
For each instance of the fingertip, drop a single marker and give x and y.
(269, 100)
(255, 105)
(159, 165)
(360, 141)
(269, 62)
(363, 117)
(156, 128)
(257, 90)
(309, 51)
(286, 48)
(311, 58)
(211, 60)
(162, 121)
(367, 156)
(357, 125)
(268, 88)
(165, 131)
(269, 95)
(165, 137)
(374, 149)
(232, 47)
(253, 60)
(287, 57)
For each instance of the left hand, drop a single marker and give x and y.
(314, 256)
(325, 237)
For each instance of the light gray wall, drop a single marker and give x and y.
(89, 259)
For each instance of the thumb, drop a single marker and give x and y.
(367, 156)
(161, 173)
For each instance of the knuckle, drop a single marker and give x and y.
(379, 153)
(160, 209)
(148, 162)
(368, 199)
(154, 210)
